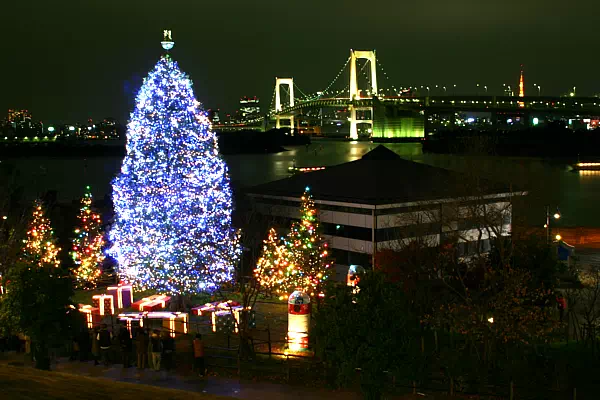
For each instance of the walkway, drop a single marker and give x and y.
(212, 385)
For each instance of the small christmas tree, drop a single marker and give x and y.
(273, 269)
(308, 256)
(87, 244)
(40, 245)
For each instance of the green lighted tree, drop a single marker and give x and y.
(87, 244)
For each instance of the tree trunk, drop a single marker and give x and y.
(42, 361)
(180, 303)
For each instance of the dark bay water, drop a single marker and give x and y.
(548, 181)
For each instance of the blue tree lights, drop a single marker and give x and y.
(173, 203)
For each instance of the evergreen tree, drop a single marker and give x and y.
(40, 245)
(307, 251)
(273, 270)
(172, 198)
(38, 291)
(87, 244)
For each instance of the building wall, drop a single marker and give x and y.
(349, 228)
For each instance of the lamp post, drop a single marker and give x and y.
(539, 88)
(556, 216)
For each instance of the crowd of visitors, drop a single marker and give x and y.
(153, 349)
(142, 347)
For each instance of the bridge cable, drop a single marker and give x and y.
(334, 79)
(380, 65)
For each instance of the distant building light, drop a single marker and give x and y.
(509, 121)
(89, 128)
(471, 120)
(71, 128)
(50, 129)
(536, 121)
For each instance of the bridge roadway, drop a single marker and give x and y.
(567, 106)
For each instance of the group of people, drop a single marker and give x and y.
(159, 345)
(153, 349)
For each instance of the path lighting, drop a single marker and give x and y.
(491, 320)
(557, 215)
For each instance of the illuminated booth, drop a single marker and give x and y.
(299, 308)
(354, 274)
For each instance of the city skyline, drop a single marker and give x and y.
(73, 62)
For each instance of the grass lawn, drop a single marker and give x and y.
(18, 383)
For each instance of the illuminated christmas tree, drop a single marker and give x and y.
(172, 199)
(40, 245)
(308, 255)
(273, 269)
(87, 244)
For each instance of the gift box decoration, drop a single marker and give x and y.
(223, 322)
(105, 303)
(176, 323)
(152, 303)
(123, 294)
(92, 315)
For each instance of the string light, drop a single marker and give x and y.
(39, 246)
(172, 198)
(88, 244)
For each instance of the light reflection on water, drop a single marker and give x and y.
(549, 182)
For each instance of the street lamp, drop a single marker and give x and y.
(556, 216)
(485, 87)
(445, 91)
(477, 92)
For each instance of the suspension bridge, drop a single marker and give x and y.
(380, 109)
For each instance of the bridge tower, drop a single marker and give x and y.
(355, 94)
(366, 55)
(290, 83)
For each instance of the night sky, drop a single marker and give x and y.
(68, 60)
